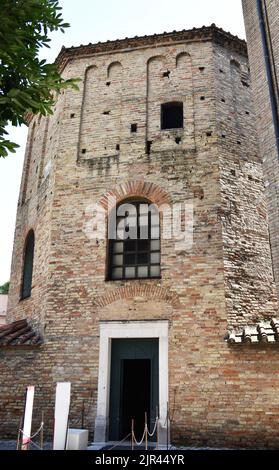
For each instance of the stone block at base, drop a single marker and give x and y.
(77, 439)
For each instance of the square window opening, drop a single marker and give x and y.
(172, 115)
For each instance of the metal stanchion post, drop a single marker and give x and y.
(19, 435)
(145, 427)
(42, 432)
(157, 420)
(132, 432)
(167, 425)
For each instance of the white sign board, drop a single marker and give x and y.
(62, 406)
(28, 417)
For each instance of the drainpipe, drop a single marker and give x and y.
(270, 79)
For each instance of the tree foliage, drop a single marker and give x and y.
(4, 289)
(27, 84)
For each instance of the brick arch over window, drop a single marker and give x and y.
(136, 188)
(139, 290)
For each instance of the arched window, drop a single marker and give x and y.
(172, 115)
(28, 265)
(134, 241)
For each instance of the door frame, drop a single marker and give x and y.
(130, 329)
(132, 349)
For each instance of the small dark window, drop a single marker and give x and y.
(166, 74)
(28, 266)
(134, 127)
(134, 241)
(172, 115)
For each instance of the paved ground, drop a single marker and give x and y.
(7, 445)
(11, 445)
(125, 447)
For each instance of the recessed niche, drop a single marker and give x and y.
(148, 146)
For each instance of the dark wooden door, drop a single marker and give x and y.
(134, 385)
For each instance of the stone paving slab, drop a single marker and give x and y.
(11, 445)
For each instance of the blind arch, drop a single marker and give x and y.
(28, 261)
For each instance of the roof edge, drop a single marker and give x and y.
(263, 332)
(205, 33)
(19, 333)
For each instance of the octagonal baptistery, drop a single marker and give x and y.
(141, 269)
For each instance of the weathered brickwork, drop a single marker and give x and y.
(218, 394)
(264, 120)
(243, 209)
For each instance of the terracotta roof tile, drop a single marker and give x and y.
(263, 332)
(19, 333)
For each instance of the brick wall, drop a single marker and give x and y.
(243, 211)
(219, 395)
(264, 121)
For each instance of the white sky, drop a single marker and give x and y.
(93, 21)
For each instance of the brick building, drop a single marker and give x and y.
(262, 28)
(148, 324)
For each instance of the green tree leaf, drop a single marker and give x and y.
(27, 84)
(4, 289)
